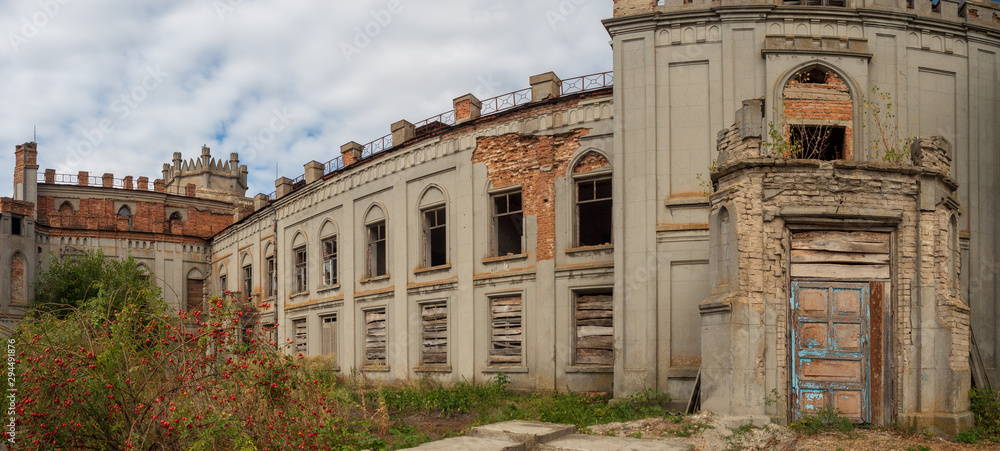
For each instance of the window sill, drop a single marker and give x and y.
(376, 368)
(582, 249)
(506, 369)
(443, 267)
(302, 294)
(505, 258)
(328, 288)
(375, 279)
(590, 369)
(432, 369)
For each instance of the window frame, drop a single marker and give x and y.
(331, 275)
(372, 247)
(594, 178)
(300, 344)
(440, 212)
(270, 265)
(490, 341)
(300, 269)
(248, 280)
(496, 217)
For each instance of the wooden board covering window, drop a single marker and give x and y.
(595, 330)
(330, 336)
(434, 349)
(840, 255)
(301, 345)
(375, 337)
(195, 294)
(507, 333)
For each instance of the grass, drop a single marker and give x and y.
(986, 409)
(824, 419)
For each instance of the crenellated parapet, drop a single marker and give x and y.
(207, 174)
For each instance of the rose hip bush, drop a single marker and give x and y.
(119, 371)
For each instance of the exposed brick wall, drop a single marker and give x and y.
(24, 155)
(630, 7)
(147, 217)
(828, 100)
(534, 163)
(16, 207)
(18, 284)
(592, 161)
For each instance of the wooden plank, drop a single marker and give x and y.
(507, 301)
(592, 314)
(505, 359)
(606, 322)
(836, 271)
(863, 242)
(594, 357)
(587, 331)
(596, 342)
(811, 256)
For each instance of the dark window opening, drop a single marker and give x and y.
(909, 4)
(222, 283)
(330, 261)
(814, 75)
(247, 281)
(301, 281)
(377, 250)
(435, 237)
(16, 225)
(815, 2)
(272, 277)
(936, 6)
(819, 142)
(508, 224)
(594, 212)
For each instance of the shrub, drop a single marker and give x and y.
(823, 419)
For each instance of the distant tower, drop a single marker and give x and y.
(212, 177)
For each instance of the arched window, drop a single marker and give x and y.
(300, 263)
(173, 223)
(223, 278)
(328, 244)
(819, 115)
(378, 252)
(195, 291)
(271, 269)
(247, 266)
(592, 177)
(125, 217)
(433, 215)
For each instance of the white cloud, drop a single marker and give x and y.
(231, 63)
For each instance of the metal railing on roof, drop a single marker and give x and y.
(586, 83)
(377, 146)
(506, 101)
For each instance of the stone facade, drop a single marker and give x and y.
(614, 239)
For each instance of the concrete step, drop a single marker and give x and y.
(581, 442)
(471, 444)
(530, 433)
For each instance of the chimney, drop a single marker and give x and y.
(314, 171)
(260, 201)
(26, 172)
(143, 183)
(545, 86)
(83, 178)
(402, 132)
(108, 180)
(351, 153)
(282, 187)
(467, 108)
(127, 182)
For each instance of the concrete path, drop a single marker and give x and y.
(537, 436)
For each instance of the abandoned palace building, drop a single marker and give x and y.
(725, 208)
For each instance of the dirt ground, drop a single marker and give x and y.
(707, 431)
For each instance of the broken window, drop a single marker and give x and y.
(300, 346)
(434, 349)
(506, 332)
(377, 250)
(595, 332)
(435, 237)
(818, 141)
(593, 209)
(330, 261)
(375, 337)
(223, 282)
(508, 224)
(301, 277)
(16, 225)
(330, 336)
(247, 281)
(272, 276)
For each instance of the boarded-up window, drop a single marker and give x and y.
(434, 350)
(195, 294)
(330, 336)
(595, 332)
(269, 332)
(301, 345)
(507, 332)
(18, 285)
(375, 337)
(840, 255)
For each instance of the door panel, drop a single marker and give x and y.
(830, 342)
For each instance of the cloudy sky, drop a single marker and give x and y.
(119, 85)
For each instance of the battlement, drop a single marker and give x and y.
(207, 174)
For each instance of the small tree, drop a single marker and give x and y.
(887, 143)
(72, 281)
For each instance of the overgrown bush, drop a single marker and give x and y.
(67, 283)
(986, 409)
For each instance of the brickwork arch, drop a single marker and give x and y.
(590, 160)
(808, 106)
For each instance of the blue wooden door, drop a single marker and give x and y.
(830, 343)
